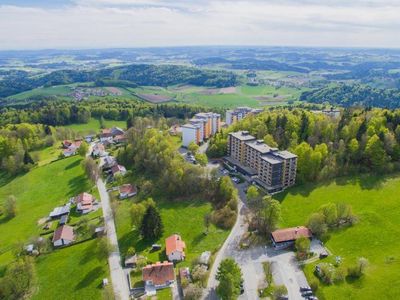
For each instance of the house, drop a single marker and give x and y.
(63, 220)
(69, 152)
(109, 162)
(284, 238)
(158, 276)
(99, 150)
(119, 139)
(174, 248)
(126, 191)
(100, 231)
(109, 134)
(70, 148)
(205, 258)
(60, 211)
(184, 274)
(66, 144)
(89, 138)
(64, 235)
(118, 170)
(84, 203)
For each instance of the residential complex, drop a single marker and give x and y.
(234, 115)
(273, 169)
(200, 128)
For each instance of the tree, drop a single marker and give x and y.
(104, 249)
(83, 149)
(252, 194)
(279, 291)
(151, 228)
(359, 268)
(229, 276)
(28, 159)
(10, 206)
(316, 223)
(19, 279)
(329, 211)
(202, 159)
(375, 153)
(302, 245)
(91, 169)
(269, 140)
(270, 215)
(207, 222)
(192, 292)
(199, 275)
(193, 147)
(137, 212)
(102, 122)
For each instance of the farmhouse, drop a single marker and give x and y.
(283, 238)
(158, 276)
(84, 203)
(109, 162)
(118, 170)
(60, 211)
(126, 191)
(109, 134)
(174, 248)
(119, 139)
(64, 235)
(99, 150)
(70, 147)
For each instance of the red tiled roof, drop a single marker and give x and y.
(290, 234)
(120, 137)
(84, 199)
(159, 273)
(174, 243)
(127, 189)
(64, 232)
(118, 168)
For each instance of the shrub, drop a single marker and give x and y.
(358, 269)
(192, 292)
(199, 275)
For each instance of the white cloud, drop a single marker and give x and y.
(137, 23)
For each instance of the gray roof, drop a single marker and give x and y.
(59, 211)
(285, 154)
(242, 135)
(189, 126)
(260, 146)
(272, 159)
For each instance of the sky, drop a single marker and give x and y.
(82, 24)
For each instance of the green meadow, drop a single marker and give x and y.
(375, 201)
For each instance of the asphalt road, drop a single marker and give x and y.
(285, 268)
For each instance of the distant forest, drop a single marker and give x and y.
(150, 75)
(354, 95)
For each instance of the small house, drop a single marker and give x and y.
(118, 170)
(60, 211)
(120, 139)
(127, 191)
(130, 261)
(158, 276)
(99, 150)
(84, 203)
(64, 235)
(175, 248)
(63, 220)
(284, 238)
(204, 258)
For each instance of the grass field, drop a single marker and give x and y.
(185, 218)
(71, 273)
(93, 126)
(375, 201)
(58, 90)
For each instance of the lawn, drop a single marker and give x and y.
(37, 193)
(184, 218)
(93, 126)
(58, 90)
(71, 273)
(375, 201)
(47, 155)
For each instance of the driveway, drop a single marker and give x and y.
(285, 267)
(118, 277)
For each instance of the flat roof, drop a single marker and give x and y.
(260, 146)
(272, 159)
(285, 154)
(242, 135)
(191, 126)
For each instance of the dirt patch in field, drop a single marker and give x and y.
(269, 98)
(114, 91)
(154, 98)
(227, 90)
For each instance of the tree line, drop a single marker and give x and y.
(132, 75)
(361, 140)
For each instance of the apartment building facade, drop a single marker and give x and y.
(200, 128)
(275, 170)
(237, 114)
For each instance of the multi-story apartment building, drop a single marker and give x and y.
(234, 115)
(201, 127)
(275, 169)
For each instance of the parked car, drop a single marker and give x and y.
(305, 289)
(155, 247)
(241, 288)
(323, 255)
(235, 179)
(307, 294)
(225, 171)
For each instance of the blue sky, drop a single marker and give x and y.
(30, 24)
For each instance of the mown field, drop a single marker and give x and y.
(93, 126)
(70, 273)
(376, 202)
(185, 218)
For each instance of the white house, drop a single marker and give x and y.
(175, 248)
(64, 235)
